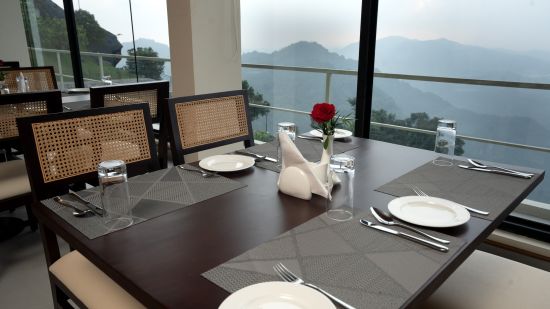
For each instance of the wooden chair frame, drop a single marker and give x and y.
(42, 190)
(97, 99)
(49, 69)
(9, 65)
(173, 129)
(53, 105)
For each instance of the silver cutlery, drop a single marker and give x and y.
(285, 274)
(387, 219)
(481, 165)
(77, 212)
(488, 170)
(310, 137)
(256, 155)
(419, 240)
(96, 209)
(419, 192)
(204, 173)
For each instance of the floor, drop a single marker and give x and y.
(23, 275)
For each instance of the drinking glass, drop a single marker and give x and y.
(445, 142)
(340, 207)
(290, 129)
(115, 197)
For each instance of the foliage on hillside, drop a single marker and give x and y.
(146, 68)
(412, 139)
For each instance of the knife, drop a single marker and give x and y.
(419, 240)
(96, 209)
(310, 137)
(494, 171)
(255, 155)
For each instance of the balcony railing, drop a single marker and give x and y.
(329, 73)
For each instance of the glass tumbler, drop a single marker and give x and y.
(115, 197)
(445, 142)
(340, 207)
(290, 129)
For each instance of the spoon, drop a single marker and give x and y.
(387, 219)
(76, 211)
(479, 164)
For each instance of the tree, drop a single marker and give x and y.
(412, 139)
(256, 99)
(146, 68)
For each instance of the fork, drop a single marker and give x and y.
(204, 173)
(288, 276)
(419, 192)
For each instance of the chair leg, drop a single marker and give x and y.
(31, 218)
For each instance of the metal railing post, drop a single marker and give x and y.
(328, 77)
(101, 72)
(60, 68)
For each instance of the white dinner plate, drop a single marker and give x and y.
(226, 163)
(429, 211)
(338, 133)
(276, 295)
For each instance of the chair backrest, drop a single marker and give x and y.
(9, 64)
(15, 105)
(206, 121)
(66, 148)
(39, 78)
(152, 93)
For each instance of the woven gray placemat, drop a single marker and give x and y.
(362, 266)
(152, 195)
(483, 191)
(310, 149)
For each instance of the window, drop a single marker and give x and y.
(297, 53)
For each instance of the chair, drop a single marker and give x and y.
(62, 149)
(9, 64)
(14, 182)
(206, 121)
(152, 93)
(39, 78)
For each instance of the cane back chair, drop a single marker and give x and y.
(66, 148)
(39, 78)
(14, 181)
(206, 121)
(153, 93)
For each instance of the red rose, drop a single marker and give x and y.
(322, 112)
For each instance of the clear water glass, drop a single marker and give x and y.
(445, 142)
(340, 207)
(115, 196)
(290, 129)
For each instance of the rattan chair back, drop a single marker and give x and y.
(66, 148)
(207, 121)
(152, 93)
(13, 106)
(39, 78)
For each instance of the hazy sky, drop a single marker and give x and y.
(268, 25)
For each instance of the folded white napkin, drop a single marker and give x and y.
(299, 175)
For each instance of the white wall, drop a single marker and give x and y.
(13, 43)
(205, 50)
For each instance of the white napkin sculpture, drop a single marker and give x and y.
(300, 178)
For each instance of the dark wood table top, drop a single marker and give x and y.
(160, 261)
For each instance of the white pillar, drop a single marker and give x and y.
(205, 50)
(13, 43)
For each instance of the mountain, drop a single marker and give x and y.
(350, 51)
(506, 114)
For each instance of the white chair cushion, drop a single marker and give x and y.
(486, 281)
(13, 179)
(90, 285)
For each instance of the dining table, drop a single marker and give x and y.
(161, 261)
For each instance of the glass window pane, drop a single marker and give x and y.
(304, 45)
(46, 33)
(456, 39)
